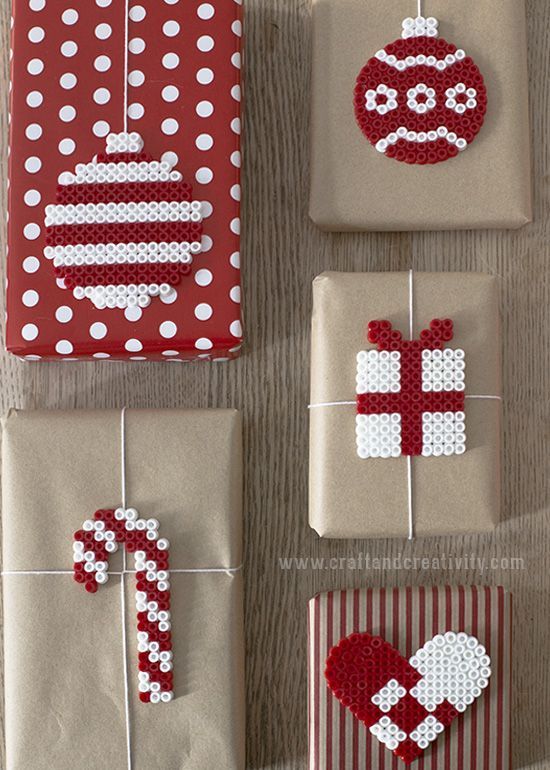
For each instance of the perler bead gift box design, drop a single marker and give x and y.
(124, 195)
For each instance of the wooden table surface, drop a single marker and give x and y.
(283, 251)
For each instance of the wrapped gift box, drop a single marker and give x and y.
(125, 180)
(354, 187)
(405, 411)
(407, 619)
(65, 684)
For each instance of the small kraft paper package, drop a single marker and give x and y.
(417, 677)
(124, 197)
(420, 122)
(405, 407)
(122, 588)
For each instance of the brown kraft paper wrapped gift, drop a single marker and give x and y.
(354, 187)
(352, 497)
(64, 654)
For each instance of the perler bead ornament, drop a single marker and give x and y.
(100, 537)
(124, 228)
(408, 704)
(420, 99)
(410, 394)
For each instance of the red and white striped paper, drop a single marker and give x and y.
(407, 618)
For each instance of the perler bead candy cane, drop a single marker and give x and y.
(124, 228)
(92, 545)
(420, 99)
(408, 704)
(410, 394)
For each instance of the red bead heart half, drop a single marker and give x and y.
(407, 704)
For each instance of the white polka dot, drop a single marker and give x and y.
(101, 128)
(67, 113)
(103, 31)
(136, 45)
(235, 293)
(171, 28)
(136, 78)
(98, 330)
(168, 329)
(32, 198)
(33, 164)
(68, 80)
(103, 3)
(204, 175)
(64, 314)
(31, 264)
(203, 343)
(207, 209)
(168, 299)
(171, 2)
(69, 48)
(237, 28)
(29, 332)
(35, 66)
(236, 60)
(67, 146)
(235, 226)
(137, 13)
(205, 11)
(64, 347)
(133, 345)
(36, 34)
(203, 311)
(236, 329)
(34, 99)
(169, 126)
(235, 260)
(236, 125)
(70, 16)
(30, 298)
(236, 158)
(101, 355)
(102, 63)
(60, 283)
(102, 95)
(170, 157)
(235, 192)
(170, 61)
(133, 313)
(31, 231)
(138, 358)
(203, 277)
(170, 352)
(136, 111)
(205, 76)
(236, 93)
(204, 142)
(205, 43)
(37, 5)
(206, 243)
(33, 131)
(204, 109)
(32, 358)
(170, 93)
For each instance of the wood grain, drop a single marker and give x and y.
(283, 251)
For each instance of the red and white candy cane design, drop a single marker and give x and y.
(92, 545)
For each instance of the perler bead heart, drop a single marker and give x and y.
(124, 227)
(407, 704)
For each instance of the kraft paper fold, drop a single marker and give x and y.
(350, 497)
(64, 685)
(354, 187)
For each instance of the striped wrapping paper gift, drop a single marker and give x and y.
(407, 618)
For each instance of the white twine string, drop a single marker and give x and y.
(325, 404)
(419, 7)
(123, 572)
(125, 105)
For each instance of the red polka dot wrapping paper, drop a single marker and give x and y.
(407, 618)
(182, 96)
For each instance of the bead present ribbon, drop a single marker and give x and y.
(123, 573)
(331, 404)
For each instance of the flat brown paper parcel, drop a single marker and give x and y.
(350, 497)
(64, 680)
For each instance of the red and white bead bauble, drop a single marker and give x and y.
(420, 99)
